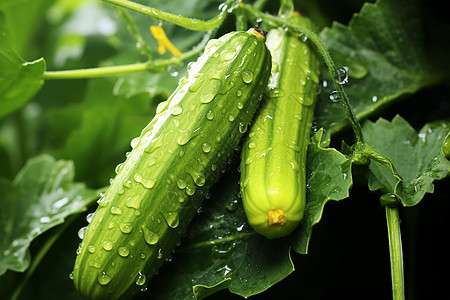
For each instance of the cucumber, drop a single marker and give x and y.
(273, 183)
(178, 156)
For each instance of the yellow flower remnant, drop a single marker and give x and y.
(163, 42)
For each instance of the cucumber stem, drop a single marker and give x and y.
(188, 23)
(395, 253)
(158, 65)
(317, 42)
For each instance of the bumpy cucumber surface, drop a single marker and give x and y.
(178, 156)
(273, 184)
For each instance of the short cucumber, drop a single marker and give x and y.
(273, 184)
(178, 156)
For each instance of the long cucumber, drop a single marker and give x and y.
(273, 184)
(173, 163)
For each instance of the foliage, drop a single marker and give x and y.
(60, 141)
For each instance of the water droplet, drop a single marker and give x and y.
(91, 249)
(207, 98)
(198, 178)
(140, 279)
(116, 210)
(134, 202)
(81, 232)
(240, 105)
(196, 84)
(103, 278)
(172, 71)
(206, 147)
(71, 275)
(176, 109)
(127, 184)
(150, 237)
(107, 245)
(89, 217)
(251, 145)
(374, 99)
(160, 254)
(238, 93)
(334, 96)
(242, 127)
(172, 218)
(102, 202)
(44, 220)
(210, 115)
(190, 190)
(302, 37)
(247, 76)
(181, 183)
(148, 183)
(342, 75)
(123, 251)
(134, 142)
(276, 92)
(126, 227)
(230, 118)
(94, 264)
(151, 162)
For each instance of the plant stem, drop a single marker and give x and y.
(189, 23)
(317, 42)
(395, 253)
(133, 30)
(96, 72)
(158, 65)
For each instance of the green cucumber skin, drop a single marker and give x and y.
(274, 155)
(178, 156)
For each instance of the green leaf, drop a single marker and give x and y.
(389, 54)
(221, 251)
(41, 196)
(329, 177)
(23, 19)
(98, 139)
(417, 156)
(19, 80)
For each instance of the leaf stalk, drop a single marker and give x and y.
(395, 253)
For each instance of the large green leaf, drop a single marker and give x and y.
(100, 136)
(23, 19)
(391, 50)
(41, 196)
(19, 80)
(221, 251)
(417, 156)
(329, 177)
